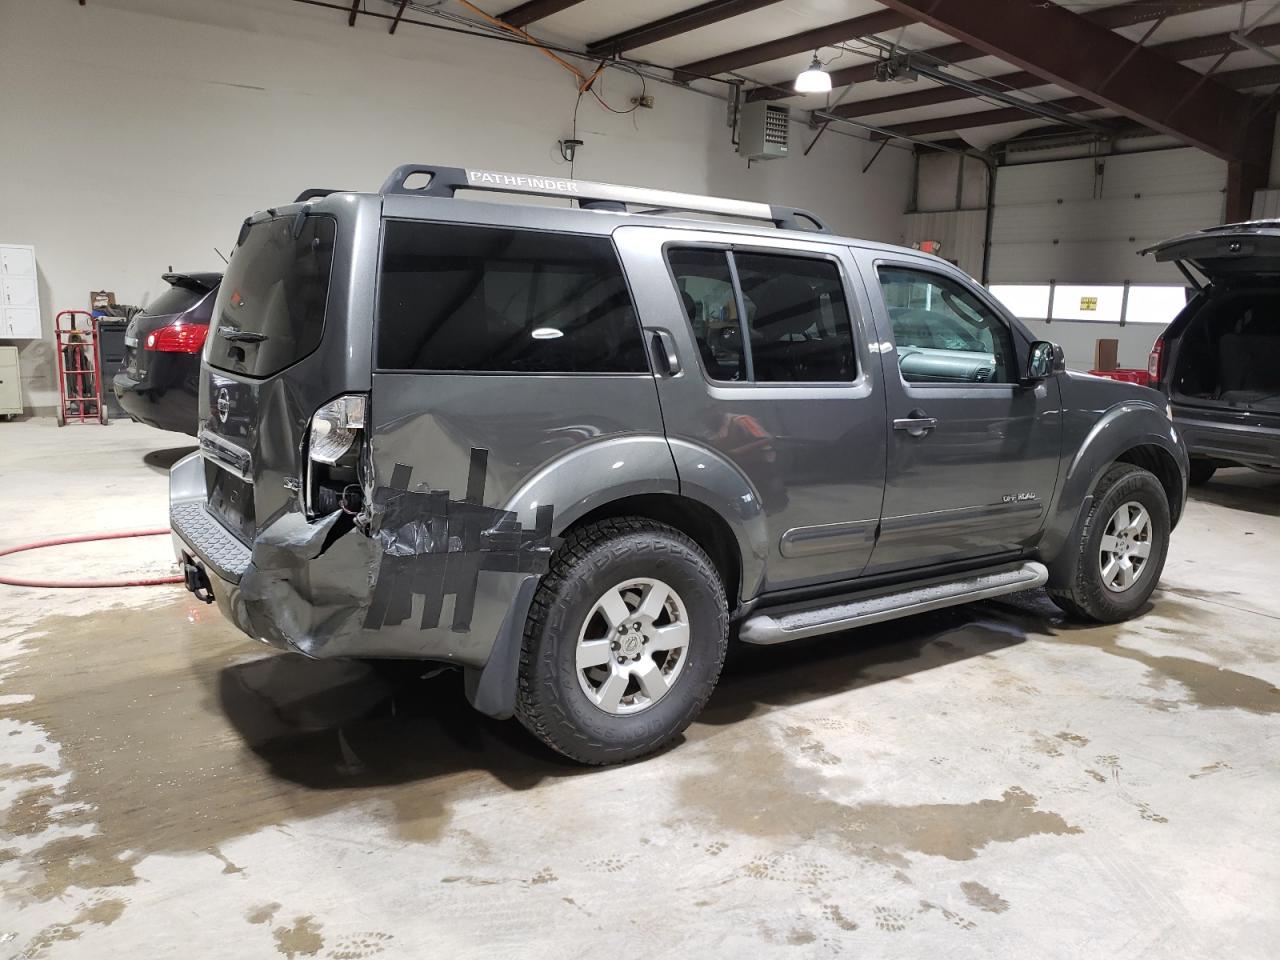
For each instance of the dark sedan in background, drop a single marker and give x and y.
(158, 383)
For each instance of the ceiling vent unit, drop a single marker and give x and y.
(762, 130)
(896, 69)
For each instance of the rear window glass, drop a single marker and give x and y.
(270, 308)
(174, 300)
(478, 299)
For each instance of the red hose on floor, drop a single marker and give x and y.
(86, 584)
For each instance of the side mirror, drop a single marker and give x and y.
(1045, 360)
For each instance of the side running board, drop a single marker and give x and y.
(795, 621)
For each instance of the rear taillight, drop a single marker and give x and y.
(1155, 362)
(335, 441)
(178, 338)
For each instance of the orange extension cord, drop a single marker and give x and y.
(86, 584)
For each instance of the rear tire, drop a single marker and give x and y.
(1202, 470)
(604, 677)
(1122, 547)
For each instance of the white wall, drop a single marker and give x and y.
(1079, 340)
(139, 133)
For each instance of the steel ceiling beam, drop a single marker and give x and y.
(534, 10)
(1251, 77)
(985, 118)
(1110, 18)
(677, 23)
(1149, 88)
(1216, 44)
(809, 40)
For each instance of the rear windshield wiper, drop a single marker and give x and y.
(241, 336)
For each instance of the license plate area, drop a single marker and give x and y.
(231, 501)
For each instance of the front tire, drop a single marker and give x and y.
(624, 642)
(1122, 547)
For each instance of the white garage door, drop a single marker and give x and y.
(1082, 221)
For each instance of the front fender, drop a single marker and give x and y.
(1122, 427)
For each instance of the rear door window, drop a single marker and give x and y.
(797, 327)
(456, 298)
(270, 308)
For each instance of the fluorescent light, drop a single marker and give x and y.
(814, 80)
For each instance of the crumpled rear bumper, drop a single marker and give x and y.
(308, 586)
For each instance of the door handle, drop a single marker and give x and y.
(917, 424)
(664, 351)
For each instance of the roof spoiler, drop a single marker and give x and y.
(446, 181)
(199, 282)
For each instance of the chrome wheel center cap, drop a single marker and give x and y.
(632, 643)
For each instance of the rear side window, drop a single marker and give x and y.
(175, 299)
(270, 308)
(479, 299)
(797, 327)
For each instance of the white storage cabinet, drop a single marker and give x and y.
(19, 294)
(10, 383)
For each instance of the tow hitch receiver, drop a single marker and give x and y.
(196, 580)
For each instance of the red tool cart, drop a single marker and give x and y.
(79, 369)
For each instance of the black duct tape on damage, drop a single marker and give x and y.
(436, 547)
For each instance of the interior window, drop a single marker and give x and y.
(706, 290)
(944, 334)
(463, 298)
(797, 318)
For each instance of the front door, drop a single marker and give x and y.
(776, 386)
(972, 452)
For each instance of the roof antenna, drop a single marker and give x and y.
(219, 253)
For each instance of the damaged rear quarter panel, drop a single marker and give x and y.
(462, 447)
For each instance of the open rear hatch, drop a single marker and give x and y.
(1227, 354)
(1224, 253)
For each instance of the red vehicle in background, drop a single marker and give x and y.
(159, 381)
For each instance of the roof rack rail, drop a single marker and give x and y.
(446, 181)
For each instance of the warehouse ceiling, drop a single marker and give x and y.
(952, 74)
(1178, 67)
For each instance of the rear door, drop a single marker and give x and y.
(775, 383)
(972, 453)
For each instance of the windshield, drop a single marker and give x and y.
(270, 308)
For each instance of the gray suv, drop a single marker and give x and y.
(571, 451)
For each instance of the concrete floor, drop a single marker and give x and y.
(982, 782)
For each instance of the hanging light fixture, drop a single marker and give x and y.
(814, 79)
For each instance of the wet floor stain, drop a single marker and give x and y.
(1207, 685)
(263, 913)
(766, 793)
(302, 939)
(100, 912)
(147, 710)
(983, 898)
